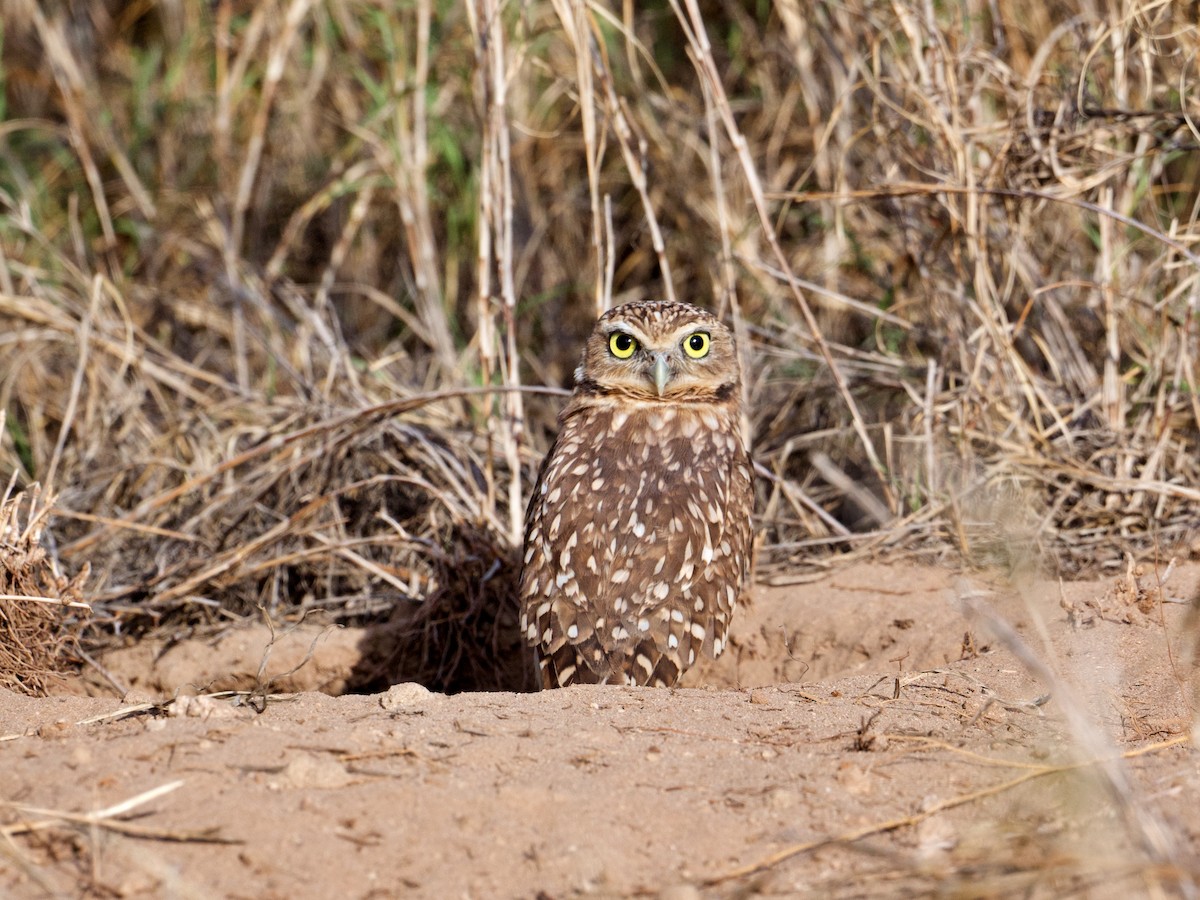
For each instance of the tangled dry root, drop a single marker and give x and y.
(40, 609)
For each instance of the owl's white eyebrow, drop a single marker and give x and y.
(621, 327)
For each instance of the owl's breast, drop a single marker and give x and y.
(634, 504)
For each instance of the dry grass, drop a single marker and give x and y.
(40, 608)
(261, 263)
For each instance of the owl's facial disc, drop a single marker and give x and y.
(659, 352)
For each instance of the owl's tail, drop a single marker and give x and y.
(643, 664)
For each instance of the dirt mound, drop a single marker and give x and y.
(907, 747)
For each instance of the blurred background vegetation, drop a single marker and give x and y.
(258, 262)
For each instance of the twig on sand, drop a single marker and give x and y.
(887, 825)
(106, 818)
(124, 712)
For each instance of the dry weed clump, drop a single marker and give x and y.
(41, 610)
(272, 277)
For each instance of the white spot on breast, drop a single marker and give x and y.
(573, 632)
(643, 624)
(619, 633)
(661, 590)
(698, 631)
(672, 641)
(620, 576)
(677, 615)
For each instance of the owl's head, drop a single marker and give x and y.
(660, 351)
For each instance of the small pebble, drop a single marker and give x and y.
(407, 694)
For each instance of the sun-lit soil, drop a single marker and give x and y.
(862, 737)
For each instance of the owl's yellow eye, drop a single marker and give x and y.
(697, 344)
(621, 345)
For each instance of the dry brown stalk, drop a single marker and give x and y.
(497, 345)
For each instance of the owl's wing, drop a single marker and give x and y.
(556, 587)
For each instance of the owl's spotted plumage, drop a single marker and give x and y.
(638, 534)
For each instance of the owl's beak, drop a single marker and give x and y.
(661, 372)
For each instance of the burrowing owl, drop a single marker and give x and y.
(638, 535)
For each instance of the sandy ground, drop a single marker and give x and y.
(866, 735)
